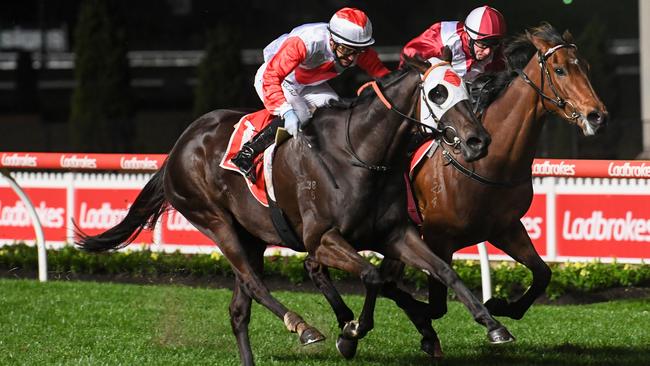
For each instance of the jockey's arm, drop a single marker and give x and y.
(369, 62)
(289, 56)
(428, 44)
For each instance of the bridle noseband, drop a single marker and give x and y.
(558, 100)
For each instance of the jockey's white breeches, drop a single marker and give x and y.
(303, 98)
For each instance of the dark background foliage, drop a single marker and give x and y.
(185, 57)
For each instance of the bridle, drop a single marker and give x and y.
(560, 102)
(439, 133)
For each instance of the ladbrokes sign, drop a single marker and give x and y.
(603, 226)
(50, 205)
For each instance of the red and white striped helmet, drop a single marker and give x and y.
(351, 27)
(485, 22)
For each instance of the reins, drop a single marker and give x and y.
(382, 97)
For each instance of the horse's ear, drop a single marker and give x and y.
(417, 62)
(567, 36)
(446, 54)
(538, 43)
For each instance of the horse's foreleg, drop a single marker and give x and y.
(516, 243)
(319, 275)
(335, 251)
(417, 311)
(413, 251)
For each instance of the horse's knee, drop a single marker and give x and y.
(371, 276)
(239, 316)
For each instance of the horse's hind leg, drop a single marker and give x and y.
(516, 243)
(219, 228)
(240, 315)
(240, 308)
(319, 275)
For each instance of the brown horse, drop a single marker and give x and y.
(342, 192)
(462, 204)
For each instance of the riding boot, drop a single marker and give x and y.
(245, 158)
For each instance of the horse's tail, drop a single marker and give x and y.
(144, 213)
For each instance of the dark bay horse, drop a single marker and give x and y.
(342, 192)
(546, 75)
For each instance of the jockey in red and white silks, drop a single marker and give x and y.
(474, 43)
(297, 65)
(292, 80)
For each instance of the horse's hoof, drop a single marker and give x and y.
(351, 330)
(500, 335)
(346, 347)
(432, 348)
(311, 335)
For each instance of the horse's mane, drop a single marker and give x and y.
(517, 53)
(368, 93)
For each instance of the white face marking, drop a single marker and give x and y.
(456, 93)
(574, 61)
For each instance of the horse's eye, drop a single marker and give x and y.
(559, 71)
(438, 94)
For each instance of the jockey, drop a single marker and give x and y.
(292, 81)
(474, 44)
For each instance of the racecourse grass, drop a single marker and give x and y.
(86, 323)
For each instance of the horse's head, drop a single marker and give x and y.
(449, 109)
(565, 85)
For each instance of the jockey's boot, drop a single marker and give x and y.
(245, 158)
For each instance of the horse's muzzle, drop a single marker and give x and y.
(476, 147)
(597, 120)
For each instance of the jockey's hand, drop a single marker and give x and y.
(291, 122)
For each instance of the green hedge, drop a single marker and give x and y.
(509, 279)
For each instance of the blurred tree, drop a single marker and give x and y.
(220, 73)
(101, 109)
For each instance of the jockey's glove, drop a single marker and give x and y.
(291, 122)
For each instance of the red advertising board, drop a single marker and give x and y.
(50, 205)
(97, 210)
(535, 223)
(603, 225)
(178, 231)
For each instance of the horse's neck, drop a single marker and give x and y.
(377, 133)
(515, 123)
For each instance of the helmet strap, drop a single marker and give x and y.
(471, 48)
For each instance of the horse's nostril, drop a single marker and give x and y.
(475, 143)
(595, 117)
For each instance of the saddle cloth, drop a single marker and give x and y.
(420, 152)
(244, 130)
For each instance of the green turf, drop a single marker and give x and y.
(84, 323)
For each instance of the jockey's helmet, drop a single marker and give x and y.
(351, 27)
(485, 23)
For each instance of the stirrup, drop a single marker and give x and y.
(243, 160)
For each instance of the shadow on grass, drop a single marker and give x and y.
(567, 354)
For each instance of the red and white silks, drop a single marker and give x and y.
(300, 59)
(452, 34)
